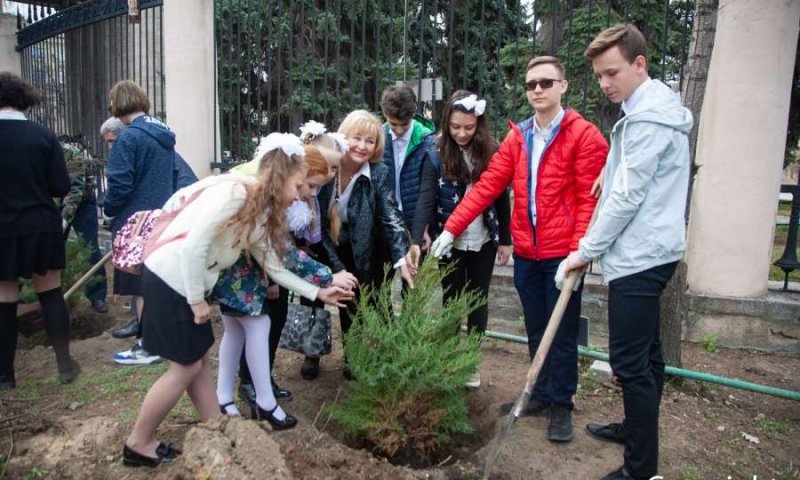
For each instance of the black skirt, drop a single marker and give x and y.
(168, 327)
(21, 257)
(127, 283)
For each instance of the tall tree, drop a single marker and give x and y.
(674, 304)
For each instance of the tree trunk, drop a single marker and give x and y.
(674, 301)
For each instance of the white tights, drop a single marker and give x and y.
(255, 330)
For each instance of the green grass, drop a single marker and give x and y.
(770, 427)
(710, 342)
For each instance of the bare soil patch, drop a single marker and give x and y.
(52, 431)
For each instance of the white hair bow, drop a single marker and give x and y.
(288, 142)
(311, 129)
(341, 141)
(472, 104)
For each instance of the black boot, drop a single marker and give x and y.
(560, 428)
(56, 324)
(310, 368)
(8, 344)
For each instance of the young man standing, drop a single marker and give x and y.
(638, 236)
(551, 160)
(410, 140)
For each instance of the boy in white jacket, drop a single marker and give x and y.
(638, 236)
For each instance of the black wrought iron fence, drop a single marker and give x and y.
(282, 62)
(75, 55)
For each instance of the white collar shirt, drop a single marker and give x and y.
(344, 198)
(541, 137)
(630, 103)
(476, 234)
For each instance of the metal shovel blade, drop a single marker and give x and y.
(515, 412)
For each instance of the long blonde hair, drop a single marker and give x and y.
(265, 198)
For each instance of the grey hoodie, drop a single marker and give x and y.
(641, 224)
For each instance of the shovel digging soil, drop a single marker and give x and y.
(533, 372)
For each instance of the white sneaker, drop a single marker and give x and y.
(474, 381)
(136, 356)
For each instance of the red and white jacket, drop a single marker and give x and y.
(571, 162)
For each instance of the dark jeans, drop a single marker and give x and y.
(277, 310)
(473, 271)
(635, 357)
(85, 224)
(535, 282)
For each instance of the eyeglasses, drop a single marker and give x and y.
(545, 83)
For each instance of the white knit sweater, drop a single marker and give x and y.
(191, 265)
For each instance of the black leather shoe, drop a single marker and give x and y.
(534, 408)
(310, 368)
(613, 432)
(247, 392)
(165, 454)
(259, 413)
(619, 474)
(100, 306)
(280, 393)
(560, 428)
(129, 330)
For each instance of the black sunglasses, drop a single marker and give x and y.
(545, 83)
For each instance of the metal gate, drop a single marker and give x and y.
(76, 55)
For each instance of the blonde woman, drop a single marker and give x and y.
(359, 211)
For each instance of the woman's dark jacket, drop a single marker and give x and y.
(372, 216)
(32, 172)
(438, 198)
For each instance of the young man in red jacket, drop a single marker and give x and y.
(551, 160)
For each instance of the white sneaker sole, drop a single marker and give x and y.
(137, 361)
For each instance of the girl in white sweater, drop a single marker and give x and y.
(231, 213)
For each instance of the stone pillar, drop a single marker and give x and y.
(9, 57)
(189, 80)
(740, 147)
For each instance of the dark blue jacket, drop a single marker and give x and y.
(438, 199)
(421, 146)
(140, 171)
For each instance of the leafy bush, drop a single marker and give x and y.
(409, 394)
(78, 253)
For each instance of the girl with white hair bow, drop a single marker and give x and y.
(217, 219)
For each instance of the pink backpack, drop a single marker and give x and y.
(140, 236)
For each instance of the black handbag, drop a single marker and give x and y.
(307, 330)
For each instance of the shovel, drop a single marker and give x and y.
(536, 366)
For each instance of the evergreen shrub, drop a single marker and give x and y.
(408, 396)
